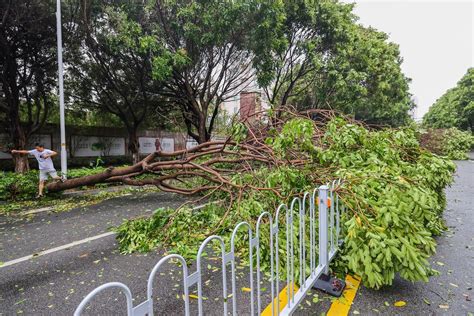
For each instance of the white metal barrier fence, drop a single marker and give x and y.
(328, 243)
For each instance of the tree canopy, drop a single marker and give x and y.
(202, 53)
(455, 108)
(155, 62)
(27, 67)
(363, 78)
(112, 71)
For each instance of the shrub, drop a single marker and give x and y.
(457, 143)
(18, 186)
(24, 186)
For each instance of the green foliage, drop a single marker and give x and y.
(393, 193)
(295, 135)
(395, 190)
(362, 78)
(24, 186)
(457, 144)
(317, 56)
(455, 108)
(451, 143)
(18, 186)
(81, 172)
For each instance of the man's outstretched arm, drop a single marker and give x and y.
(21, 152)
(51, 153)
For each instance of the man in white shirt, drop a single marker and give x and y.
(45, 164)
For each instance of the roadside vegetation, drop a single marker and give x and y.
(455, 108)
(451, 142)
(18, 191)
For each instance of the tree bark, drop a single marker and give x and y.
(21, 163)
(18, 138)
(202, 130)
(134, 145)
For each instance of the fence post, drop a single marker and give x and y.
(325, 282)
(323, 228)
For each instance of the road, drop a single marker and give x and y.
(55, 283)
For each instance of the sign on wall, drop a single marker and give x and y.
(93, 146)
(44, 139)
(190, 143)
(149, 145)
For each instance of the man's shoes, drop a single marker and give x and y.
(39, 196)
(62, 179)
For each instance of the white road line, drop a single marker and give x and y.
(75, 243)
(45, 252)
(38, 210)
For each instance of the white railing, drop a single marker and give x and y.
(312, 207)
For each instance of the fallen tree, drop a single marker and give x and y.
(393, 190)
(214, 161)
(451, 142)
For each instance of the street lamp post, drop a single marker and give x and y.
(62, 123)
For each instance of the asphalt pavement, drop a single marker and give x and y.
(55, 283)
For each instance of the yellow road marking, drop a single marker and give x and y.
(283, 299)
(342, 305)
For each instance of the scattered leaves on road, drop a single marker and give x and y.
(20, 301)
(400, 303)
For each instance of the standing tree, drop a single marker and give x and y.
(112, 67)
(455, 108)
(204, 53)
(363, 78)
(27, 69)
(307, 37)
(328, 61)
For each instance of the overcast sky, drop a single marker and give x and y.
(436, 41)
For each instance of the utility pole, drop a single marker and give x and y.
(62, 121)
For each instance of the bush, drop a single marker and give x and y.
(81, 172)
(17, 186)
(24, 186)
(457, 144)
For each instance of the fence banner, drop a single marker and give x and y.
(94, 146)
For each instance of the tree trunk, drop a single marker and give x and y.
(18, 138)
(134, 145)
(21, 163)
(202, 130)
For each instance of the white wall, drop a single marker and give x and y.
(43, 139)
